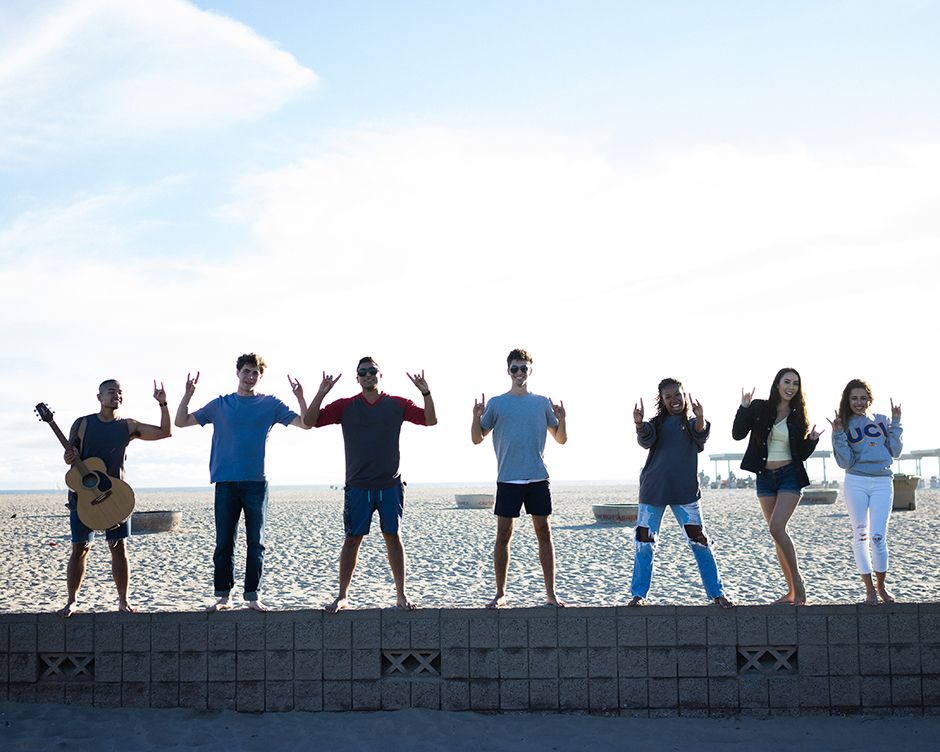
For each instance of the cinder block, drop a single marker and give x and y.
(723, 693)
(455, 663)
(513, 633)
(249, 696)
(722, 660)
(873, 629)
(572, 632)
(337, 695)
(930, 658)
(426, 694)
(135, 694)
(484, 695)
(107, 695)
(811, 630)
(784, 691)
(873, 660)
(692, 661)
(136, 637)
(426, 634)
(602, 632)
(396, 634)
(278, 665)
(165, 637)
(693, 693)
(221, 695)
(108, 667)
(543, 694)
(664, 693)
(906, 691)
(691, 630)
(754, 691)
(23, 668)
(662, 662)
(813, 660)
(308, 635)
(752, 628)
(513, 663)
(194, 695)
(845, 692)
(514, 694)
(164, 667)
(572, 663)
(929, 628)
(222, 667)
(22, 692)
(602, 662)
(632, 662)
(396, 694)
(136, 668)
(602, 694)
(50, 636)
(843, 660)
(249, 667)
(876, 692)
(250, 636)
(81, 694)
(930, 687)
(782, 629)
(366, 665)
(634, 693)
(222, 636)
(903, 628)
(366, 695)
(573, 694)
(164, 695)
(843, 629)
(455, 695)
(50, 694)
(543, 664)
(631, 629)
(484, 664)
(23, 638)
(194, 637)
(484, 633)
(337, 666)
(194, 667)
(543, 631)
(455, 633)
(814, 691)
(308, 665)
(278, 696)
(661, 630)
(337, 634)
(721, 628)
(905, 659)
(308, 695)
(108, 636)
(279, 635)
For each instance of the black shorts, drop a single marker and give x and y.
(511, 496)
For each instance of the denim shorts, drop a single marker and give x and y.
(781, 480)
(359, 505)
(81, 533)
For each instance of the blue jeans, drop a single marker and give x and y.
(686, 514)
(231, 497)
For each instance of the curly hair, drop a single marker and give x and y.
(519, 354)
(661, 409)
(251, 359)
(845, 407)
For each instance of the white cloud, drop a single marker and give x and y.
(93, 70)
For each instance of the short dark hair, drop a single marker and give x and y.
(368, 359)
(107, 381)
(251, 359)
(518, 354)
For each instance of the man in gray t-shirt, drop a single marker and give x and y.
(519, 421)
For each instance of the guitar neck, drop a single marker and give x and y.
(66, 445)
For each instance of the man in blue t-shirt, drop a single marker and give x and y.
(241, 423)
(371, 424)
(519, 420)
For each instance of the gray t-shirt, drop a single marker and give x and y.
(670, 475)
(519, 423)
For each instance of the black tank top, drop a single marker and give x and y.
(106, 441)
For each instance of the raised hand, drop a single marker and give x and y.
(814, 434)
(895, 411)
(191, 384)
(638, 411)
(295, 387)
(418, 381)
(479, 407)
(746, 398)
(159, 394)
(697, 410)
(328, 383)
(837, 423)
(558, 409)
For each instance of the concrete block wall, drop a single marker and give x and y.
(655, 661)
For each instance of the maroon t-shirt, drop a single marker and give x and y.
(370, 433)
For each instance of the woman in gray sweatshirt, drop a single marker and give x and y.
(865, 445)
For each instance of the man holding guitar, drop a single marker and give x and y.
(104, 435)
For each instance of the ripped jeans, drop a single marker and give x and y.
(868, 500)
(686, 514)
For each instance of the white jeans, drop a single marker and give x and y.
(868, 500)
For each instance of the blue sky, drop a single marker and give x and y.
(629, 190)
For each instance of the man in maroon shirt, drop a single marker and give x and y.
(371, 424)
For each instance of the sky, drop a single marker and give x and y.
(628, 190)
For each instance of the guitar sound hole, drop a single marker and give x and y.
(90, 481)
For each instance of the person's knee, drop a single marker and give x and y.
(696, 534)
(643, 535)
(118, 547)
(543, 528)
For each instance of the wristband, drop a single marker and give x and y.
(162, 404)
(426, 394)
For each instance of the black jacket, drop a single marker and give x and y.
(747, 420)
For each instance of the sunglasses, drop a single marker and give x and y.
(369, 371)
(513, 369)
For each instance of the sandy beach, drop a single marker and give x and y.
(450, 553)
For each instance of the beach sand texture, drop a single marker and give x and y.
(450, 553)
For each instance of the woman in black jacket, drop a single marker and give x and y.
(780, 442)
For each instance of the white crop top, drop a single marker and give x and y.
(778, 443)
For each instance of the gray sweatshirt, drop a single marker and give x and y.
(867, 446)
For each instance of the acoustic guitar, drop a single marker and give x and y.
(103, 502)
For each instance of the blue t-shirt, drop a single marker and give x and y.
(519, 423)
(240, 433)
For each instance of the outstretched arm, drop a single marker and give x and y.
(312, 413)
(430, 416)
(298, 391)
(559, 432)
(148, 432)
(183, 416)
(477, 434)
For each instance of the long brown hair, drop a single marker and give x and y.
(797, 406)
(845, 407)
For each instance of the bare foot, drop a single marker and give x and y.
(125, 608)
(338, 605)
(724, 602)
(223, 604)
(885, 595)
(788, 598)
(68, 610)
(554, 600)
(404, 602)
(498, 602)
(257, 605)
(637, 600)
(871, 598)
(799, 595)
